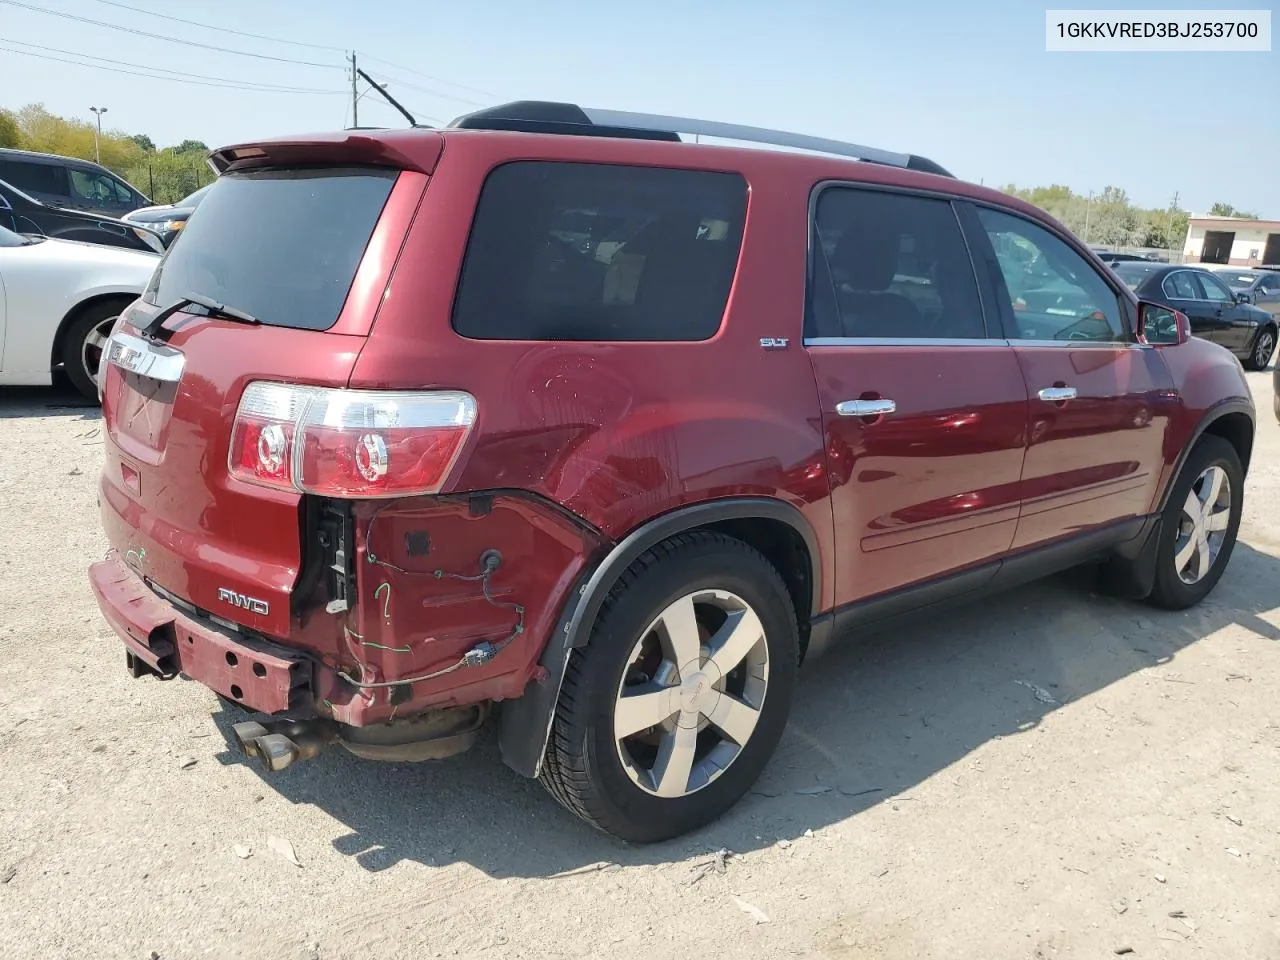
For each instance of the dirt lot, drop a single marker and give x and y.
(927, 800)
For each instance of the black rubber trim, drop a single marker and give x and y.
(1215, 413)
(525, 723)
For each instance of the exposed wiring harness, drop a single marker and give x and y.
(479, 655)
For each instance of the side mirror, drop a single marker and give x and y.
(1243, 298)
(1162, 326)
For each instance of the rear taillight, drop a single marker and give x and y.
(348, 444)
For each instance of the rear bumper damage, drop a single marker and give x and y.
(162, 640)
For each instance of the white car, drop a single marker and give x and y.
(59, 300)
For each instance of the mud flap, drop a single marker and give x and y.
(524, 724)
(1130, 572)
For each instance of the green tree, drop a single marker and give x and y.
(191, 146)
(1227, 210)
(10, 134)
(145, 142)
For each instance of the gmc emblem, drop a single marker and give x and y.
(252, 604)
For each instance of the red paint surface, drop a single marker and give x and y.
(970, 466)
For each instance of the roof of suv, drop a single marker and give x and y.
(615, 136)
(9, 153)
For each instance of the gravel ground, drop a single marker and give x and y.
(1053, 774)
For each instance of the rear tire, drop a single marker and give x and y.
(1199, 525)
(1263, 347)
(83, 343)
(705, 600)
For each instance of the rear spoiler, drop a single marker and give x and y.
(417, 150)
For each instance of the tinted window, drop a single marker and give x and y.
(575, 251)
(282, 245)
(37, 178)
(1213, 288)
(1054, 293)
(891, 265)
(1181, 285)
(1270, 283)
(1133, 274)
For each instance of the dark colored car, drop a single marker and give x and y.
(25, 214)
(1110, 258)
(1261, 286)
(70, 183)
(551, 416)
(1218, 314)
(168, 220)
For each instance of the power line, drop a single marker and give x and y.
(167, 39)
(247, 84)
(209, 26)
(152, 76)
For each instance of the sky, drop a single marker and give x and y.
(968, 85)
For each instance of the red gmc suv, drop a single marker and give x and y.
(554, 417)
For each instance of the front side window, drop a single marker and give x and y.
(600, 252)
(93, 187)
(891, 266)
(1053, 291)
(1214, 289)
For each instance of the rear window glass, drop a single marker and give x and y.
(1133, 272)
(282, 244)
(578, 251)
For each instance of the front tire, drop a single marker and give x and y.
(1199, 526)
(1263, 347)
(84, 342)
(672, 710)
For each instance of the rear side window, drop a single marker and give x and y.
(280, 244)
(895, 267)
(578, 251)
(37, 178)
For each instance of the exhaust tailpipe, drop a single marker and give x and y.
(281, 743)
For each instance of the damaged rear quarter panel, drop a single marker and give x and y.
(421, 600)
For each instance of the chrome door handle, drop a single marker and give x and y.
(865, 408)
(1057, 394)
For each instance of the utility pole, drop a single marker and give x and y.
(355, 116)
(1168, 230)
(1087, 207)
(97, 134)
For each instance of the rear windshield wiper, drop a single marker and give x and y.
(212, 309)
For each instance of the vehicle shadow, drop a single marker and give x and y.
(60, 400)
(871, 723)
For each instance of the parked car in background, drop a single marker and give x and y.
(60, 301)
(1108, 257)
(168, 219)
(1218, 314)
(22, 213)
(1262, 286)
(502, 442)
(70, 183)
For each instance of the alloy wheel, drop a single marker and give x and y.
(95, 342)
(1202, 527)
(1262, 351)
(691, 695)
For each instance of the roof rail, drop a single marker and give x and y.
(543, 116)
